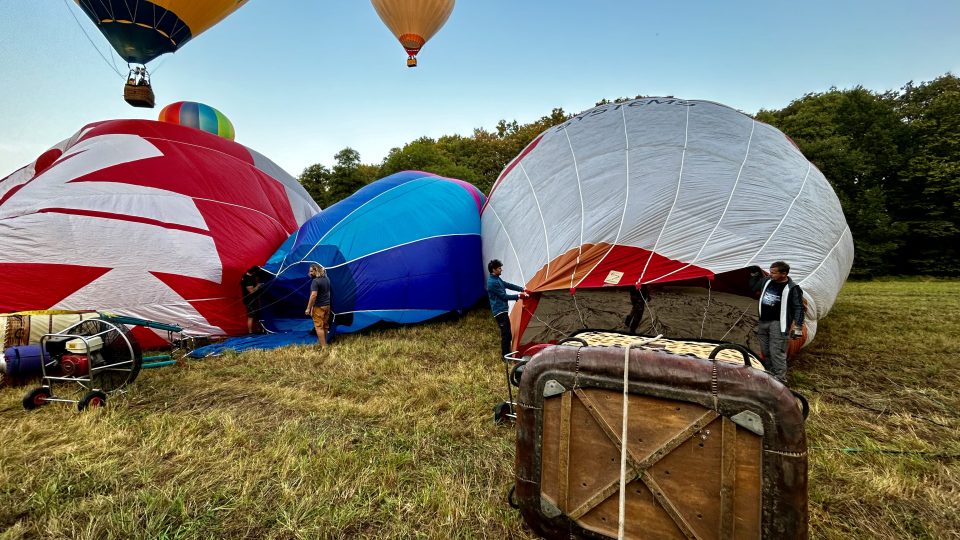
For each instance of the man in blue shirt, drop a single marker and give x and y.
(497, 291)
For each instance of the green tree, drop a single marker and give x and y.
(853, 137)
(316, 180)
(478, 159)
(928, 193)
(347, 176)
(424, 154)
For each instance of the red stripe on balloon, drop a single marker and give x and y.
(42, 285)
(124, 217)
(171, 113)
(630, 261)
(42, 163)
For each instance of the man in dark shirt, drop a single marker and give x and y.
(318, 307)
(781, 315)
(638, 300)
(250, 291)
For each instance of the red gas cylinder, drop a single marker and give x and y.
(74, 364)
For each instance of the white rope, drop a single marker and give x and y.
(583, 323)
(784, 218)
(703, 321)
(559, 332)
(734, 325)
(626, 199)
(653, 319)
(623, 431)
(676, 196)
(696, 258)
(92, 44)
(546, 238)
(846, 230)
(516, 255)
(576, 169)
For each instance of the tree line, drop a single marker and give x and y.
(893, 158)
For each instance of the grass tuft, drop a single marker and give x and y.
(390, 435)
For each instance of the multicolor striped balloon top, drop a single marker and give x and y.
(199, 116)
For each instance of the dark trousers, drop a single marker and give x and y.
(506, 337)
(633, 319)
(773, 345)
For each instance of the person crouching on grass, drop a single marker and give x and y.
(318, 307)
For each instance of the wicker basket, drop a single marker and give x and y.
(139, 95)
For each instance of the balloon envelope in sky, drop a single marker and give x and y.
(199, 116)
(413, 22)
(141, 30)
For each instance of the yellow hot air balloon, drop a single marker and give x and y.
(413, 21)
(141, 30)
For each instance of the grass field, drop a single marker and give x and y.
(390, 435)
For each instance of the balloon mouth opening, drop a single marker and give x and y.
(412, 43)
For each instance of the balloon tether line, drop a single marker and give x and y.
(94, 45)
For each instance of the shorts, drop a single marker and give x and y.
(321, 317)
(252, 303)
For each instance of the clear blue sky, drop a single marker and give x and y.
(302, 79)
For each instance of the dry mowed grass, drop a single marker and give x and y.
(390, 435)
(883, 379)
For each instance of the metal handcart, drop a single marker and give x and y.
(513, 368)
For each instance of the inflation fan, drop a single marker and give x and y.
(96, 355)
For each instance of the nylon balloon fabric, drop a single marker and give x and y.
(147, 219)
(679, 197)
(403, 249)
(141, 30)
(198, 116)
(413, 22)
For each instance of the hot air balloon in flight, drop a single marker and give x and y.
(669, 197)
(141, 30)
(414, 22)
(199, 116)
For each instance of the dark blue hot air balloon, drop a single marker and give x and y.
(403, 249)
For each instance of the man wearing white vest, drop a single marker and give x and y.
(781, 315)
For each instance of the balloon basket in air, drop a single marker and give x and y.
(139, 95)
(411, 62)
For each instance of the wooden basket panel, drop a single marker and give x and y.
(691, 471)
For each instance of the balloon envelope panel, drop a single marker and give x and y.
(665, 191)
(414, 22)
(141, 30)
(147, 219)
(198, 116)
(403, 249)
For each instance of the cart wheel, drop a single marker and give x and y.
(94, 399)
(36, 398)
(500, 413)
(516, 373)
